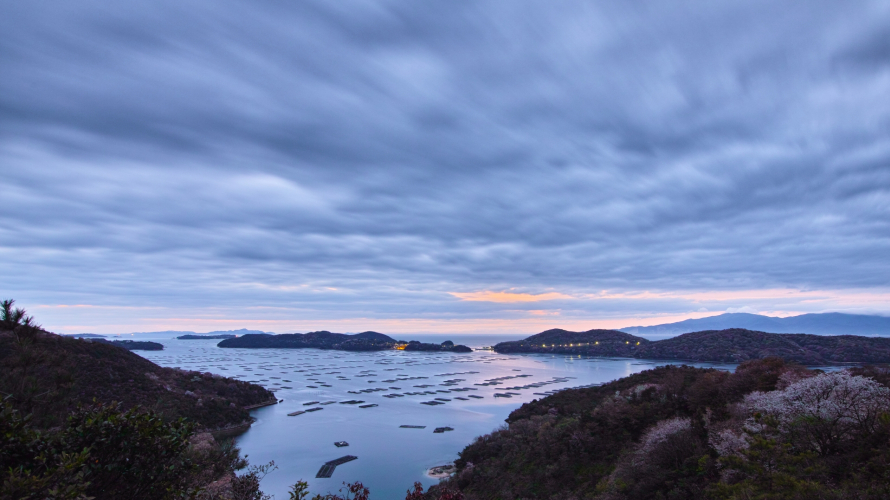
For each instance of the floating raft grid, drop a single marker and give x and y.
(327, 470)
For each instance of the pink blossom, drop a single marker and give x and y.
(659, 433)
(728, 442)
(820, 411)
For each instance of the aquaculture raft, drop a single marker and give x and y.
(327, 470)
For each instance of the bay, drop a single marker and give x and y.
(390, 458)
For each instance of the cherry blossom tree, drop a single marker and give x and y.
(819, 413)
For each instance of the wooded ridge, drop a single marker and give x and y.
(730, 346)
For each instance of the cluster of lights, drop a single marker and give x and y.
(579, 345)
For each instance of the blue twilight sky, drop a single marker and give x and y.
(441, 166)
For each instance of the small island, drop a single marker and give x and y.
(733, 345)
(447, 346)
(132, 345)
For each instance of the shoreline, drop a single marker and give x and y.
(440, 471)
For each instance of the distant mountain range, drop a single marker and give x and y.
(243, 331)
(816, 324)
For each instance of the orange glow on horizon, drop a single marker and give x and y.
(510, 320)
(508, 297)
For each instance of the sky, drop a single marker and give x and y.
(441, 166)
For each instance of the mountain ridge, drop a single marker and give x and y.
(813, 323)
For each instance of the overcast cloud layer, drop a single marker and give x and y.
(436, 166)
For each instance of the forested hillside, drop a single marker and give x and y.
(770, 430)
(48, 375)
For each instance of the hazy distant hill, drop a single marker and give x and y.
(243, 331)
(206, 337)
(817, 324)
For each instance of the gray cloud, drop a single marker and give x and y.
(198, 154)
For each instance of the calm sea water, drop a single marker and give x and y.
(390, 458)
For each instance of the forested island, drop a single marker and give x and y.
(730, 346)
(132, 345)
(365, 341)
(447, 346)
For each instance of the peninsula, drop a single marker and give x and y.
(729, 346)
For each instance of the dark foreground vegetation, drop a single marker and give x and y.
(731, 346)
(771, 430)
(103, 452)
